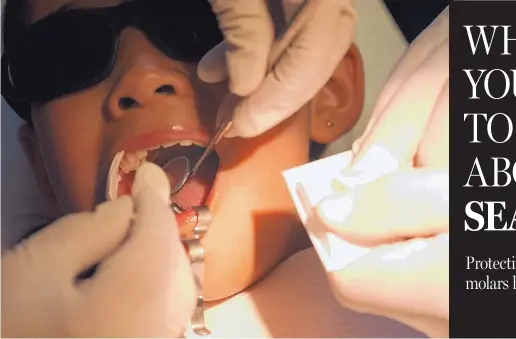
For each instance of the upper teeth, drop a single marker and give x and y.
(129, 162)
(181, 143)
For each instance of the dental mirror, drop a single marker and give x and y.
(178, 171)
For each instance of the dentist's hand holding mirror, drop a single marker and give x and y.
(143, 286)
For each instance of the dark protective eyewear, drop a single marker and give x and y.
(71, 50)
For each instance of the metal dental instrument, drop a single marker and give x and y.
(177, 209)
(231, 101)
(195, 222)
(181, 163)
(224, 127)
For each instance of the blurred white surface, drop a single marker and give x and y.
(22, 207)
(381, 44)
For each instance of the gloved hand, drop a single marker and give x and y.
(143, 286)
(300, 73)
(410, 119)
(403, 217)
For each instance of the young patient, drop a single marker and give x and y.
(91, 83)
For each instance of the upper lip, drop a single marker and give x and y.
(163, 136)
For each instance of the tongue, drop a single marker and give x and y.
(197, 189)
(194, 193)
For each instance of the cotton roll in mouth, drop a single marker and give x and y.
(114, 177)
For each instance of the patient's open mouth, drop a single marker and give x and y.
(196, 190)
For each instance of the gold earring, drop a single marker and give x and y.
(329, 123)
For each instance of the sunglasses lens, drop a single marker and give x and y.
(70, 51)
(61, 55)
(187, 35)
(178, 42)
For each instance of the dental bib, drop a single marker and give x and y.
(310, 183)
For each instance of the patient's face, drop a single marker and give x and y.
(150, 100)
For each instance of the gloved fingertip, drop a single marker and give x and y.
(244, 130)
(232, 133)
(335, 211)
(114, 208)
(212, 75)
(151, 176)
(242, 86)
(375, 157)
(248, 122)
(242, 126)
(245, 74)
(355, 147)
(212, 68)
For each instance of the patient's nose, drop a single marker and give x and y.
(143, 76)
(139, 88)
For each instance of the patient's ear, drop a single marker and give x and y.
(338, 105)
(30, 145)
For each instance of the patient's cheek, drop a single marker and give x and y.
(72, 180)
(72, 138)
(254, 219)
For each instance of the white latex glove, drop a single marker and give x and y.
(143, 286)
(300, 73)
(410, 119)
(407, 280)
(403, 216)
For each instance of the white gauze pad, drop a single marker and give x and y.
(310, 183)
